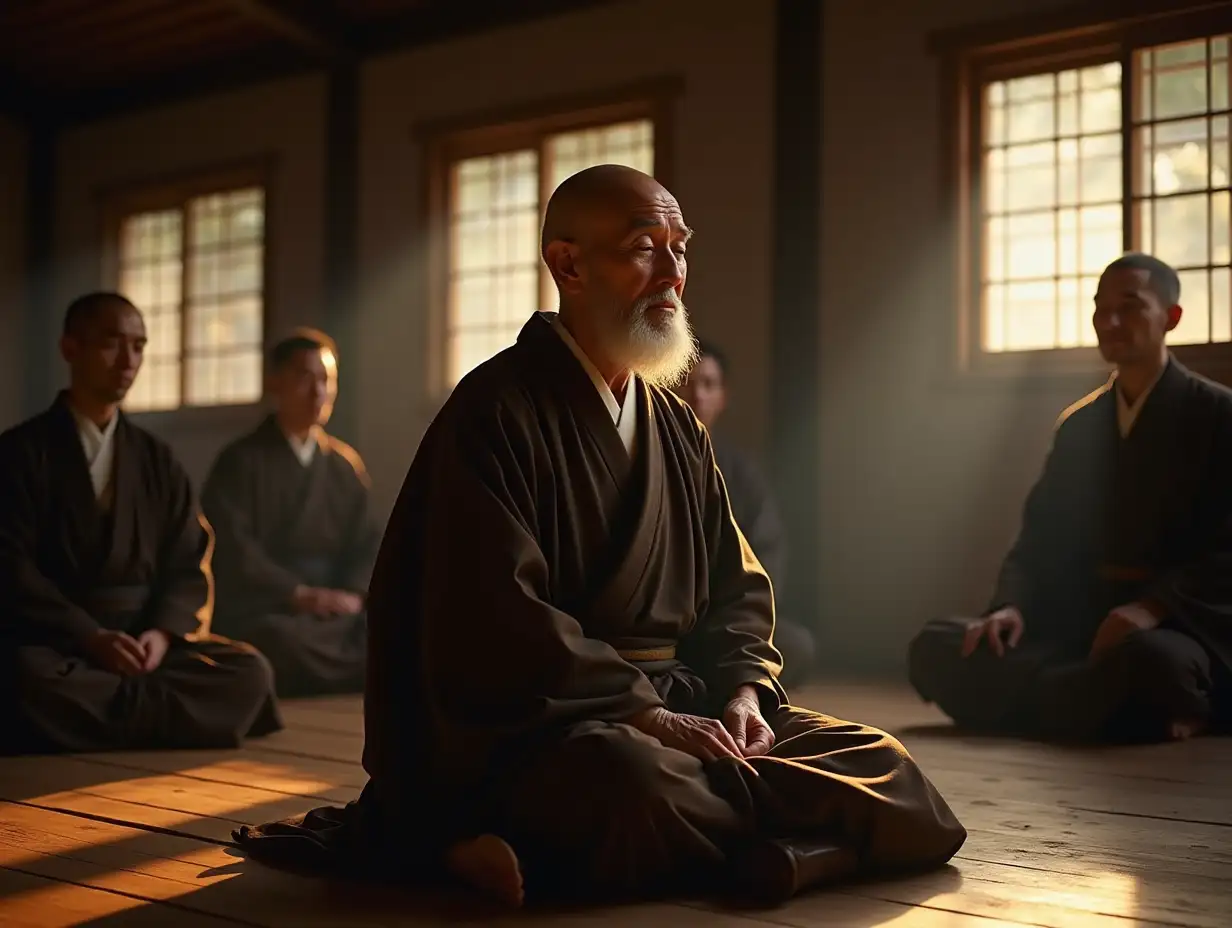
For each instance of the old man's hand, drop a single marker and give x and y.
(706, 739)
(744, 721)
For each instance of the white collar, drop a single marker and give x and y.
(615, 408)
(94, 438)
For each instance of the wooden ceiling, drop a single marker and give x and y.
(68, 61)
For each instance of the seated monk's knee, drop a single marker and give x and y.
(221, 692)
(1169, 673)
(615, 810)
(860, 785)
(934, 656)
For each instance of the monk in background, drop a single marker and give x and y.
(1112, 617)
(752, 502)
(296, 537)
(105, 586)
(571, 680)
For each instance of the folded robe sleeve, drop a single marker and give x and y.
(34, 608)
(731, 644)
(183, 594)
(499, 660)
(267, 584)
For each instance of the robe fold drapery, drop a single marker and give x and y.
(281, 524)
(70, 567)
(536, 587)
(1112, 520)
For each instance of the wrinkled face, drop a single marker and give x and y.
(630, 276)
(304, 388)
(1130, 319)
(104, 353)
(705, 391)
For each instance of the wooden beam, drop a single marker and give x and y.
(314, 27)
(439, 21)
(1087, 17)
(342, 235)
(795, 340)
(41, 316)
(236, 74)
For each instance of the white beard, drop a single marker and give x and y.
(662, 353)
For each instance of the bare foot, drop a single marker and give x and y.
(489, 865)
(1181, 731)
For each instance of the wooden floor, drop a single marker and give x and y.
(1110, 838)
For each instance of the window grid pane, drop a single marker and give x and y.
(1051, 205)
(494, 238)
(223, 309)
(1052, 193)
(1180, 193)
(151, 272)
(205, 337)
(496, 278)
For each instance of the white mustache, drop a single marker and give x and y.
(667, 296)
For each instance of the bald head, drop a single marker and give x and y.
(615, 240)
(598, 196)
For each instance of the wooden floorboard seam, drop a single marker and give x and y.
(136, 897)
(123, 823)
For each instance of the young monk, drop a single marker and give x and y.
(296, 540)
(1112, 617)
(105, 587)
(570, 671)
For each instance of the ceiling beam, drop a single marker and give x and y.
(215, 78)
(311, 26)
(434, 22)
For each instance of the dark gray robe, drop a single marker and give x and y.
(69, 567)
(281, 524)
(528, 564)
(1110, 521)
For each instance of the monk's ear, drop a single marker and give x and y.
(68, 348)
(561, 259)
(1174, 317)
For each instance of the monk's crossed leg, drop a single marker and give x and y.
(609, 811)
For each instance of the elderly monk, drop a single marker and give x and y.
(296, 538)
(1112, 618)
(752, 502)
(105, 588)
(570, 670)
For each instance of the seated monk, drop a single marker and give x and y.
(571, 678)
(1112, 618)
(296, 541)
(104, 573)
(752, 503)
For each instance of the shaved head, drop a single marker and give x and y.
(589, 197)
(614, 240)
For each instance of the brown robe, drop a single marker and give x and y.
(527, 557)
(280, 524)
(1112, 520)
(69, 567)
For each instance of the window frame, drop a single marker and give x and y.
(506, 130)
(175, 191)
(971, 58)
